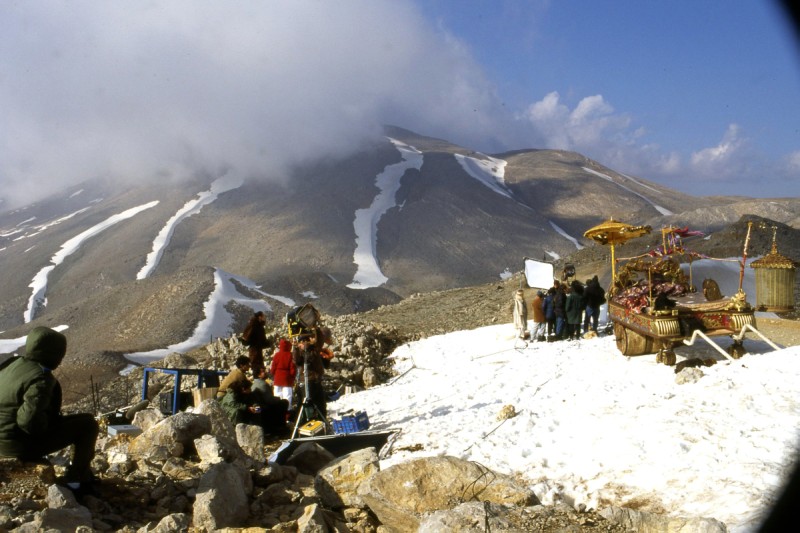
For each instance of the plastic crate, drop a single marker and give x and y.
(351, 424)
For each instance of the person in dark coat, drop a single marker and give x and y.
(595, 296)
(238, 404)
(307, 350)
(559, 301)
(274, 411)
(31, 423)
(574, 309)
(255, 338)
(549, 311)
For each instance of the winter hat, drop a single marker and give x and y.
(46, 346)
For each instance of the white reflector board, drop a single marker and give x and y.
(538, 274)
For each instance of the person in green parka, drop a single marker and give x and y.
(238, 404)
(574, 307)
(31, 423)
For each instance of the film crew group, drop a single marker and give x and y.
(252, 402)
(560, 311)
(31, 423)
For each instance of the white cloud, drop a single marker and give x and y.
(169, 89)
(591, 127)
(717, 159)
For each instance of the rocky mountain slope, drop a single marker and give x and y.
(456, 219)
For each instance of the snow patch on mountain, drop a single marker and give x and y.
(640, 184)
(662, 210)
(217, 321)
(368, 272)
(192, 207)
(39, 282)
(43, 227)
(489, 172)
(566, 235)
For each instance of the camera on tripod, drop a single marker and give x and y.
(301, 322)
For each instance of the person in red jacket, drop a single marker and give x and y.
(283, 371)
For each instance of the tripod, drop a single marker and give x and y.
(308, 411)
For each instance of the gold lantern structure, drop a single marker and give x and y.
(775, 280)
(614, 234)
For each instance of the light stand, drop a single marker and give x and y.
(308, 409)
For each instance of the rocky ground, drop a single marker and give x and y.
(363, 342)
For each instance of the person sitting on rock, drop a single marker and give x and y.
(239, 373)
(273, 410)
(238, 404)
(31, 423)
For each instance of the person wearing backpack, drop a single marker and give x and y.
(31, 423)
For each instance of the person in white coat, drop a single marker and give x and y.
(520, 314)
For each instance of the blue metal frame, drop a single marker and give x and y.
(202, 374)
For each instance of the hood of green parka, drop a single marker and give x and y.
(45, 346)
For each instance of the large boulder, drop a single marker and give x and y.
(147, 418)
(222, 497)
(309, 458)
(339, 481)
(312, 520)
(221, 425)
(213, 450)
(170, 437)
(402, 493)
(251, 438)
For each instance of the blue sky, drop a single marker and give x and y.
(680, 77)
(699, 96)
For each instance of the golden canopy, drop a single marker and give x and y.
(612, 233)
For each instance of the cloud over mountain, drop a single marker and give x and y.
(170, 90)
(173, 89)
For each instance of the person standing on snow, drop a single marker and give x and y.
(574, 309)
(539, 321)
(520, 311)
(559, 301)
(550, 312)
(31, 423)
(595, 297)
